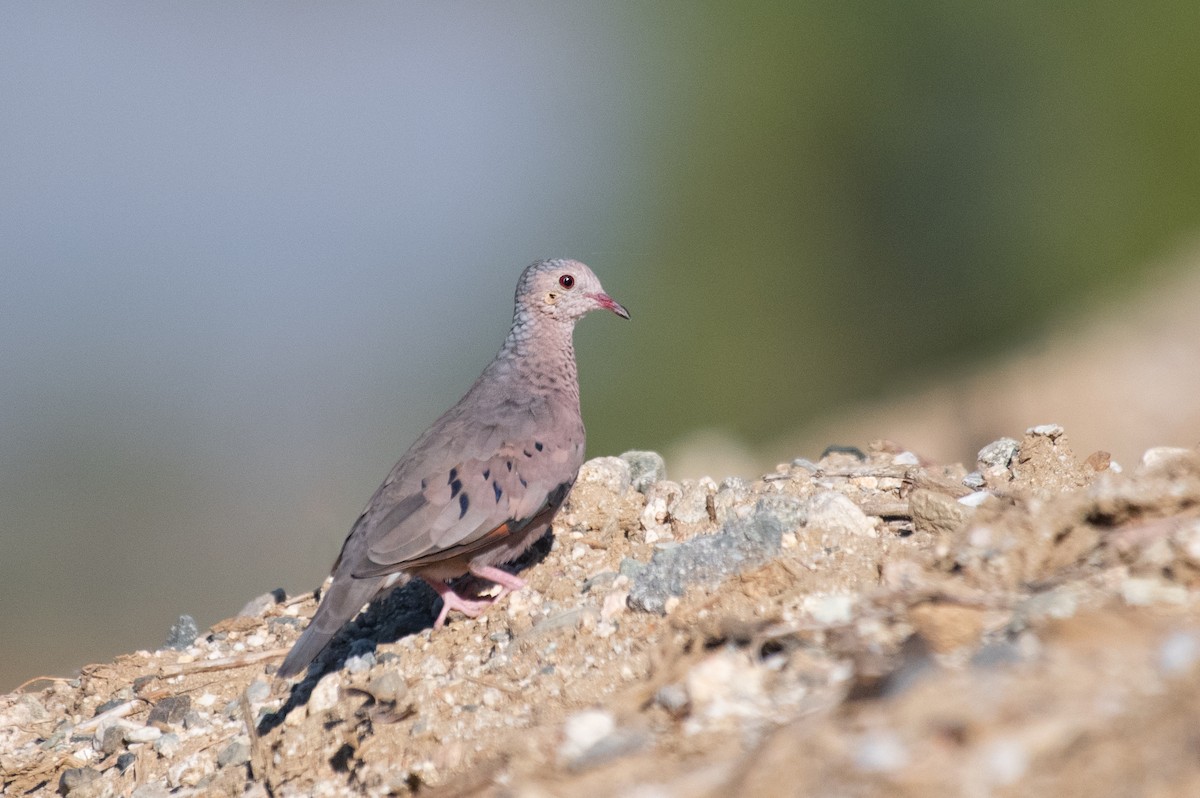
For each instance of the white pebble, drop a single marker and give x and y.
(880, 752)
(325, 694)
(1179, 653)
(143, 734)
(582, 731)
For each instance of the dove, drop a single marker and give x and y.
(484, 482)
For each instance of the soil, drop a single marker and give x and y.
(1025, 625)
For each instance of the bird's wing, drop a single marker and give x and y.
(498, 479)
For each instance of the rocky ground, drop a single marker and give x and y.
(868, 624)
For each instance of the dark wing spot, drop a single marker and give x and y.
(496, 488)
(524, 484)
(463, 503)
(509, 464)
(455, 487)
(453, 475)
(423, 484)
(537, 445)
(527, 453)
(487, 473)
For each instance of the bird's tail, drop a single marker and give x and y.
(343, 600)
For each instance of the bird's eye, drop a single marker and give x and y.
(566, 281)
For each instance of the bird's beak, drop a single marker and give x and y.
(608, 303)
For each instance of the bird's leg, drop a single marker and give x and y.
(509, 582)
(453, 601)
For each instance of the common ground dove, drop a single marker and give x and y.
(483, 483)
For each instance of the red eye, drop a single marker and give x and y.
(566, 281)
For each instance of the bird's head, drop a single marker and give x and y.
(565, 290)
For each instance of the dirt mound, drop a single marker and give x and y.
(868, 624)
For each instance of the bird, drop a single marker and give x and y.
(484, 482)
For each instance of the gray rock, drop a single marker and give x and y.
(360, 663)
(741, 544)
(168, 745)
(692, 506)
(234, 754)
(125, 761)
(258, 606)
(974, 480)
(997, 455)
(74, 779)
(630, 567)
(170, 711)
(183, 633)
(110, 739)
(258, 691)
(645, 468)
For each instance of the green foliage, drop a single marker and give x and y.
(856, 191)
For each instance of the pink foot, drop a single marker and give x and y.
(501, 577)
(453, 601)
(473, 607)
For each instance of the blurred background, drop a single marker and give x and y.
(249, 251)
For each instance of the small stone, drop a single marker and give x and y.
(645, 468)
(974, 480)
(880, 752)
(388, 686)
(937, 513)
(258, 691)
(833, 512)
(190, 771)
(997, 455)
(906, 459)
(110, 738)
(125, 761)
(360, 663)
(582, 731)
(1179, 653)
(258, 606)
(674, 699)
(1160, 456)
(325, 694)
(615, 604)
(182, 634)
(830, 610)
(1050, 431)
(234, 754)
(975, 499)
(612, 473)
(142, 734)
(75, 778)
(1005, 761)
(692, 505)
(167, 746)
(1142, 592)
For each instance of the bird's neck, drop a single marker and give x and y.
(538, 349)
